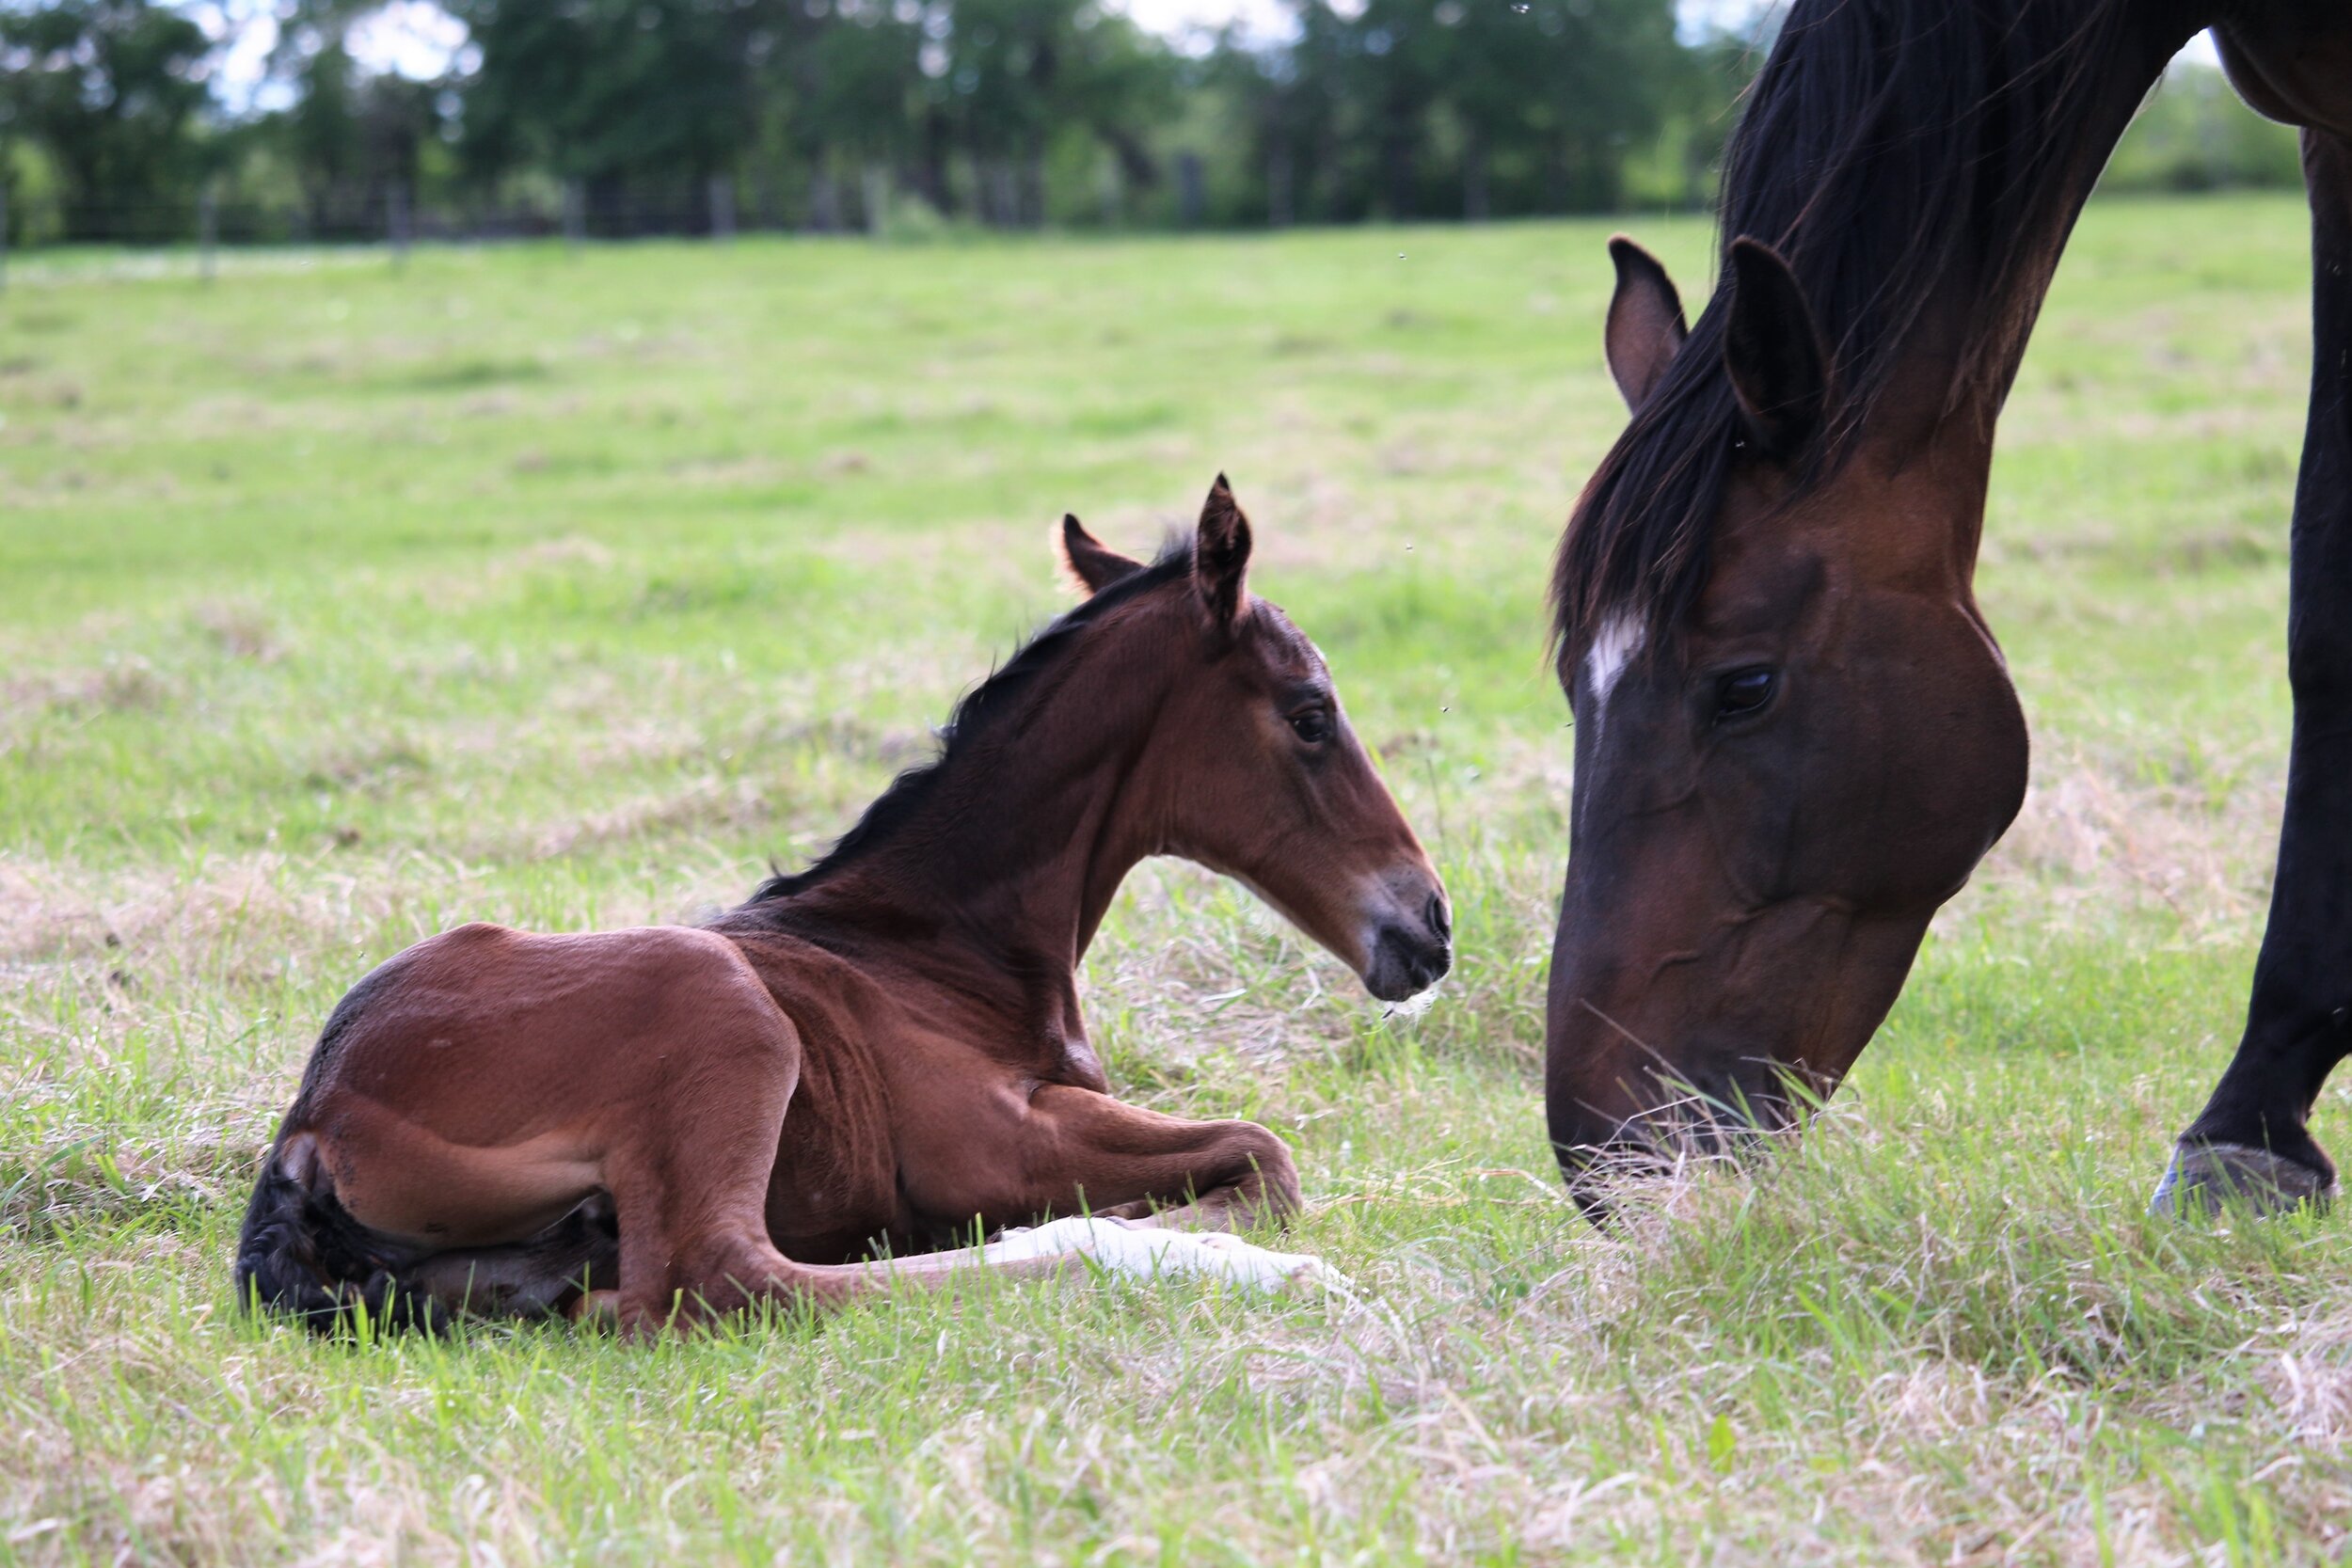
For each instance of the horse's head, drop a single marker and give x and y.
(1252, 769)
(1781, 772)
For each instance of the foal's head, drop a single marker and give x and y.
(1251, 766)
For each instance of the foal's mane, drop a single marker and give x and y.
(1889, 149)
(982, 709)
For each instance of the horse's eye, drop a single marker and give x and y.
(1744, 692)
(1314, 727)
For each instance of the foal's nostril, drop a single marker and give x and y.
(1440, 924)
(1405, 962)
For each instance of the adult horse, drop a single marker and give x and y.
(884, 1048)
(1795, 733)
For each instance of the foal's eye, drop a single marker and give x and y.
(1744, 692)
(1314, 727)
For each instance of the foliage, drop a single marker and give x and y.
(353, 139)
(602, 91)
(1476, 107)
(2194, 135)
(113, 91)
(831, 114)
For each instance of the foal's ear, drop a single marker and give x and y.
(1221, 554)
(1772, 352)
(1094, 564)
(1645, 325)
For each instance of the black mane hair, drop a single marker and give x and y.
(981, 710)
(1889, 149)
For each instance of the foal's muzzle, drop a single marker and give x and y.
(1409, 958)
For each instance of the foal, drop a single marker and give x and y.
(886, 1047)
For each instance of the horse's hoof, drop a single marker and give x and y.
(2206, 1178)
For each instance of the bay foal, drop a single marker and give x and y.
(885, 1048)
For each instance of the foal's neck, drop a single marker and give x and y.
(1026, 836)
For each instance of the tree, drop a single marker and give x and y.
(1532, 105)
(355, 140)
(615, 92)
(1018, 73)
(855, 80)
(113, 91)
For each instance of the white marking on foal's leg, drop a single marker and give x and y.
(1163, 1254)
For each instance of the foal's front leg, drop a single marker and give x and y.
(1070, 1150)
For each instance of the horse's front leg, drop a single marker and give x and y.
(1063, 1150)
(2251, 1141)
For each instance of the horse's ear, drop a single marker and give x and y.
(1645, 325)
(1221, 554)
(1091, 564)
(1773, 351)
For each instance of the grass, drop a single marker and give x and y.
(339, 606)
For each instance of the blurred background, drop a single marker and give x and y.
(241, 121)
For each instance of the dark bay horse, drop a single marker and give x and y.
(885, 1048)
(1795, 733)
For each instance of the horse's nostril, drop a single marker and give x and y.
(1441, 926)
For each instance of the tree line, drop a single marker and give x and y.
(616, 116)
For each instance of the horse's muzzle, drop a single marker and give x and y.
(1604, 1160)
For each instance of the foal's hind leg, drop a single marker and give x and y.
(690, 1181)
(547, 1274)
(690, 1185)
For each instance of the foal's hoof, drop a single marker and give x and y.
(2206, 1178)
(598, 1309)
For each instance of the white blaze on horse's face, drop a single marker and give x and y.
(1613, 647)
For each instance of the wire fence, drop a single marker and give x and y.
(209, 219)
(391, 213)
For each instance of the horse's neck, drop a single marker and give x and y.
(1965, 353)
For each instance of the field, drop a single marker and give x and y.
(340, 605)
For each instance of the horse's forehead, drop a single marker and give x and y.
(1763, 576)
(1762, 593)
(1285, 649)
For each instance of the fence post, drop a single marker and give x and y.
(207, 231)
(722, 206)
(396, 222)
(575, 212)
(1191, 194)
(1110, 189)
(1280, 199)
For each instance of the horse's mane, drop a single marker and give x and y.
(981, 710)
(1888, 148)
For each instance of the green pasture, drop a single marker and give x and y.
(339, 605)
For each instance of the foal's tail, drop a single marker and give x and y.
(302, 1253)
